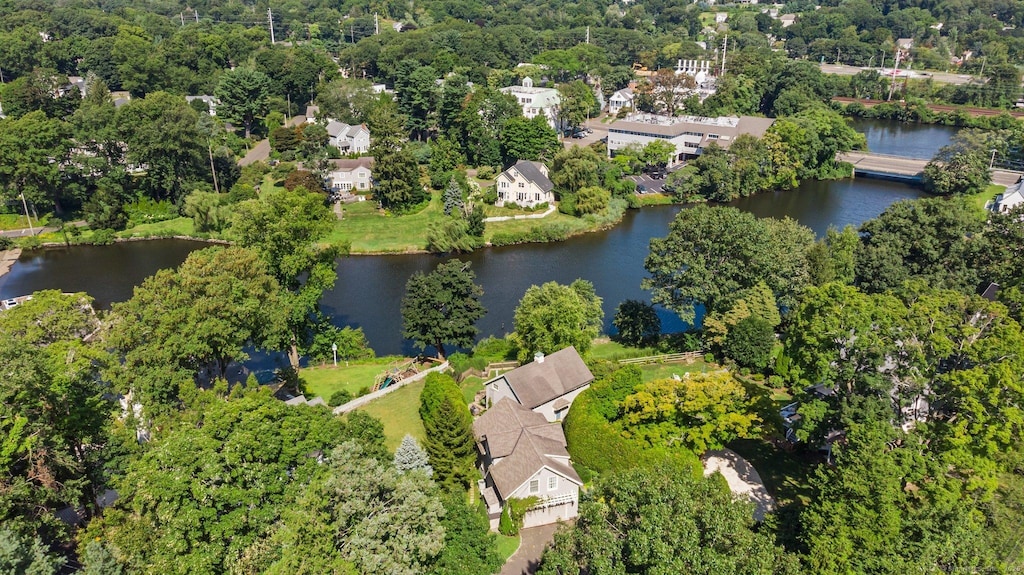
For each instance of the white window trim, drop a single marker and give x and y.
(534, 486)
(552, 483)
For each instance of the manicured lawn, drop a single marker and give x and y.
(324, 381)
(470, 387)
(989, 193)
(17, 222)
(507, 546)
(667, 370)
(368, 230)
(605, 348)
(522, 227)
(491, 210)
(399, 412)
(180, 226)
(655, 199)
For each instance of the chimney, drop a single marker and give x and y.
(538, 357)
(632, 85)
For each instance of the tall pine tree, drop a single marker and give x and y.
(450, 445)
(395, 174)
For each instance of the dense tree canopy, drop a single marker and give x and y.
(442, 307)
(553, 316)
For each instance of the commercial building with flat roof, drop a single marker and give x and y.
(689, 134)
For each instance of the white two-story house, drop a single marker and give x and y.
(536, 101)
(351, 176)
(347, 138)
(525, 184)
(521, 455)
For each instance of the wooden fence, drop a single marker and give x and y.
(664, 358)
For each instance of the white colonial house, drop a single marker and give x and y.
(521, 455)
(621, 99)
(525, 184)
(546, 386)
(347, 138)
(689, 134)
(352, 176)
(536, 101)
(1011, 197)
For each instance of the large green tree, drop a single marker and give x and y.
(935, 239)
(243, 94)
(442, 307)
(553, 316)
(450, 446)
(664, 521)
(201, 316)
(163, 140)
(396, 176)
(215, 481)
(287, 229)
(33, 149)
(711, 254)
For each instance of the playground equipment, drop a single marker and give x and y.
(395, 373)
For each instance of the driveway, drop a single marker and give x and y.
(261, 151)
(526, 559)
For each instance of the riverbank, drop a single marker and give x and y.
(7, 259)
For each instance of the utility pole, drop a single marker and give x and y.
(352, 30)
(376, 25)
(588, 34)
(213, 168)
(196, 12)
(892, 85)
(182, 16)
(725, 48)
(28, 216)
(270, 21)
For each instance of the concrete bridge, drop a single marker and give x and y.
(905, 169)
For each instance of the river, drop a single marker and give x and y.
(369, 288)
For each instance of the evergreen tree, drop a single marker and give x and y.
(25, 555)
(410, 456)
(395, 174)
(452, 197)
(450, 445)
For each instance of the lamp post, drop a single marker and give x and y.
(334, 349)
(992, 161)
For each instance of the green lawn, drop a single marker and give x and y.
(324, 381)
(399, 412)
(507, 546)
(605, 348)
(667, 370)
(369, 230)
(989, 193)
(180, 226)
(470, 387)
(17, 222)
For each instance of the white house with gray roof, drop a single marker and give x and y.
(535, 101)
(525, 184)
(546, 386)
(522, 454)
(1011, 197)
(689, 134)
(348, 138)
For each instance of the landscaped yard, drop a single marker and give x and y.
(605, 348)
(667, 370)
(399, 411)
(989, 193)
(507, 546)
(180, 226)
(324, 381)
(368, 230)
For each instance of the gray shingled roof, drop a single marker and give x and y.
(531, 171)
(537, 383)
(525, 442)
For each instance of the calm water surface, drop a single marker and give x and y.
(369, 288)
(920, 141)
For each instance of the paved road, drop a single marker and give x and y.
(910, 166)
(261, 151)
(940, 77)
(526, 560)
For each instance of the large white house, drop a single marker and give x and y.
(1011, 197)
(348, 138)
(525, 184)
(536, 101)
(689, 134)
(352, 176)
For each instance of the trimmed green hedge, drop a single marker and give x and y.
(596, 443)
